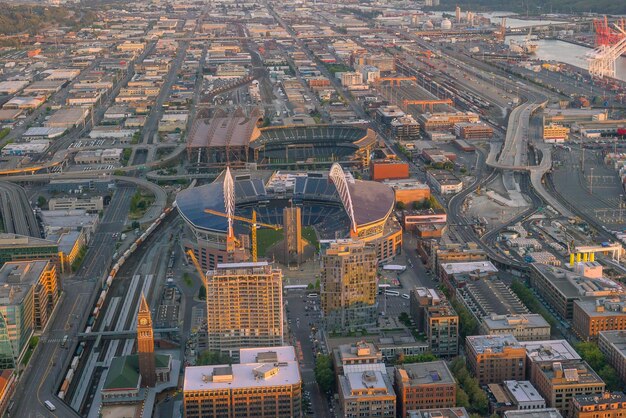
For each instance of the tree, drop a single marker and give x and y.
(324, 374)
(41, 201)
(462, 400)
(207, 358)
(400, 205)
(202, 293)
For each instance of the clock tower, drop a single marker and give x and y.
(145, 345)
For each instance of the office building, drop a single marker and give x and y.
(244, 307)
(366, 394)
(601, 314)
(607, 405)
(435, 316)
(424, 386)
(539, 353)
(559, 383)
(28, 294)
(348, 285)
(14, 247)
(524, 327)
(613, 346)
(495, 358)
(266, 383)
(358, 353)
(524, 395)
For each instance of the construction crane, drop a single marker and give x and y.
(254, 224)
(195, 262)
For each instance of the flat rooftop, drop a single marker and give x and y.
(21, 241)
(573, 373)
(490, 296)
(601, 307)
(439, 413)
(469, 267)
(246, 375)
(549, 351)
(501, 322)
(522, 391)
(16, 279)
(534, 413)
(573, 285)
(495, 343)
(433, 372)
(363, 384)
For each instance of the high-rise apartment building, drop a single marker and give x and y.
(244, 307)
(348, 284)
(28, 293)
(495, 358)
(266, 383)
(435, 317)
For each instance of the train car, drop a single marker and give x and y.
(109, 281)
(65, 385)
(133, 247)
(74, 364)
(70, 375)
(126, 254)
(61, 395)
(90, 321)
(95, 312)
(79, 350)
(88, 330)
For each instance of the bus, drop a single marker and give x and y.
(50, 405)
(392, 293)
(395, 268)
(312, 295)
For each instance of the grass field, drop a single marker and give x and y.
(308, 233)
(266, 238)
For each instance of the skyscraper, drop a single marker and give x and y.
(348, 284)
(145, 345)
(244, 307)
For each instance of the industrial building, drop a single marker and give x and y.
(495, 358)
(444, 182)
(560, 288)
(555, 133)
(445, 121)
(487, 296)
(389, 170)
(67, 118)
(244, 307)
(266, 384)
(348, 285)
(473, 131)
(424, 386)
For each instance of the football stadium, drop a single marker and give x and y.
(332, 202)
(237, 139)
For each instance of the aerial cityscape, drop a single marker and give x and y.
(313, 208)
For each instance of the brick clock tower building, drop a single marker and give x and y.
(145, 345)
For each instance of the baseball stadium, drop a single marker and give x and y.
(238, 139)
(332, 202)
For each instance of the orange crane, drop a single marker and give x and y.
(195, 262)
(395, 81)
(254, 224)
(426, 103)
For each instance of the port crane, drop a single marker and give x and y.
(254, 224)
